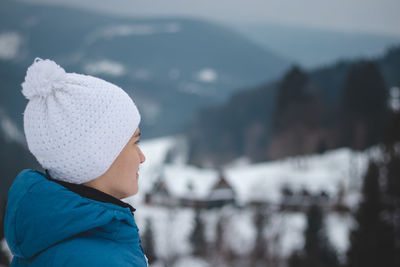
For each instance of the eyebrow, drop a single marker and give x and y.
(138, 134)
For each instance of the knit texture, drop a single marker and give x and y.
(75, 125)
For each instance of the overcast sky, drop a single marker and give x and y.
(376, 16)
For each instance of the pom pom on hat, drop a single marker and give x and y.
(42, 77)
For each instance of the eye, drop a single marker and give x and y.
(137, 142)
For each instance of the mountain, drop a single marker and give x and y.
(313, 47)
(14, 154)
(171, 67)
(344, 104)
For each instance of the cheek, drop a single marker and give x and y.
(136, 157)
(131, 163)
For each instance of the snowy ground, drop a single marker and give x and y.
(284, 231)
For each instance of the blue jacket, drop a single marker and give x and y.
(48, 225)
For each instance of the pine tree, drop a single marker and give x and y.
(148, 242)
(219, 240)
(313, 233)
(197, 237)
(372, 241)
(392, 131)
(393, 202)
(391, 150)
(393, 177)
(220, 253)
(364, 106)
(317, 251)
(291, 94)
(259, 253)
(317, 243)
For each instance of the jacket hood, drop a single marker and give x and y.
(41, 213)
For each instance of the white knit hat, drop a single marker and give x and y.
(75, 125)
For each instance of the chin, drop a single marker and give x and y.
(133, 192)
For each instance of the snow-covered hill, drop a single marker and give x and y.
(262, 181)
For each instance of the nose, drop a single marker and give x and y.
(141, 156)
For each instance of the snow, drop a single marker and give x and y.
(192, 262)
(239, 233)
(127, 30)
(394, 100)
(189, 181)
(338, 230)
(171, 227)
(10, 129)
(210, 220)
(285, 231)
(156, 151)
(138, 29)
(207, 75)
(352, 199)
(317, 173)
(10, 43)
(395, 92)
(105, 66)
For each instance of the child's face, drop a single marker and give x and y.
(126, 167)
(121, 179)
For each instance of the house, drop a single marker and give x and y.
(160, 195)
(206, 193)
(221, 194)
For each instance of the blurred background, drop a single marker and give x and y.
(271, 128)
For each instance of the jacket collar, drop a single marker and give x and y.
(92, 193)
